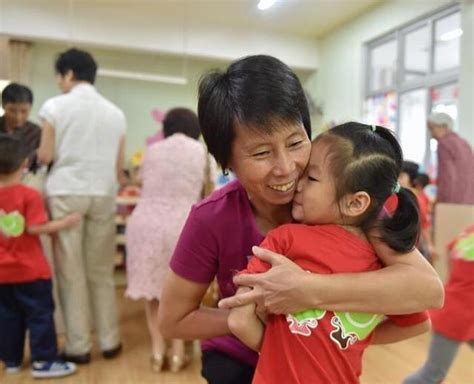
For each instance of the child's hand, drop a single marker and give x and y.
(72, 219)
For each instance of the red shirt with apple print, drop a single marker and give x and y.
(21, 254)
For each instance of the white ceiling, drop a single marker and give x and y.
(307, 18)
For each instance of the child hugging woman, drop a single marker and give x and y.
(348, 194)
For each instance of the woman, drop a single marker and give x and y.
(171, 171)
(255, 120)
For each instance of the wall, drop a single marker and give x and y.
(338, 84)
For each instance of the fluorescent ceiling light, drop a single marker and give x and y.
(451, 35)
(142, 76)
(265, 4)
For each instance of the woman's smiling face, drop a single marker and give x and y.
(268, 165)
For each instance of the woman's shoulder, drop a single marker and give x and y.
(223, 202)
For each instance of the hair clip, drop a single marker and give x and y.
(396, 188)
(374, 127)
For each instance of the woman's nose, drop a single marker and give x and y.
(284, 164)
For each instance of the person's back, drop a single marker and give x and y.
(456, 170)
(173, 170)
(84, 138)
(88, 130)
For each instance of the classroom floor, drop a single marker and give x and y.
(382, 364)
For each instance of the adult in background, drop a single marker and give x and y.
(172, 175)
(84, 134)
(455, 162)
(17, 100)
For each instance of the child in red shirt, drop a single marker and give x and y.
(26, 301)
(349, 188)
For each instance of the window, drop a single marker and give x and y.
(411, 72)
(383, 66)
(447, 38)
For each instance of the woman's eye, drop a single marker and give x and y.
(261, 154)
(296, 143)
(310, 178)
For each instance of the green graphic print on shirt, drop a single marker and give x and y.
(348, 327)
(12, 224)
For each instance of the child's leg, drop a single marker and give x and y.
(440, 357)
(12, 327)
(37, 302)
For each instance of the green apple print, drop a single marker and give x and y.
(12, 224)
(465, 248)
(349, 327)
(302, 322)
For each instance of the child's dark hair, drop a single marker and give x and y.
(422, 180)
(411, 169)
(370, 160)
(12, 154)
(181, 120)
(255, 92)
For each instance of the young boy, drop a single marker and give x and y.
(26, 301)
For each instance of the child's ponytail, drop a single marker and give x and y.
(401, 229)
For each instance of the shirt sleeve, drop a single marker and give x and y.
(35, 212)
(195, 255)
(275, 241)
(48, 112)
(409, 320)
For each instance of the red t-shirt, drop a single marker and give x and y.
(21, 255)
(456, 319)
(317, 346)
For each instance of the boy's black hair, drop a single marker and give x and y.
(254, 92)
(422, 180)
(411, 169)
(370, 161)
(81, 63)
(181, 120)
(16, 93)
(12, 154)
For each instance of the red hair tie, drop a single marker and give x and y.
(390, 206)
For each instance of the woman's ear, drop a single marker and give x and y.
(355, 204)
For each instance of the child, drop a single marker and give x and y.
(408, 179)
(349, 182)
(26, 301)
(454, 323)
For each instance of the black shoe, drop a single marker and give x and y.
(111, 353)
(78, 359)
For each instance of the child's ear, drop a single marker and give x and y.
(355, 204)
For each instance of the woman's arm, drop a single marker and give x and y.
(407, 284)
(388, 332)
(180, 315)
(245, 324)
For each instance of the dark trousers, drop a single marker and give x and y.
(27, 306)
(219, 368)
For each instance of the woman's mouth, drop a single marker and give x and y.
(283, 187)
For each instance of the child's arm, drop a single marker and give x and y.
(388, 332)
(244, 323)
(54, 226)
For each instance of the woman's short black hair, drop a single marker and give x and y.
(16, 93)
(12, 154)
(255, 92)
(181, 120)
(81, 63)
